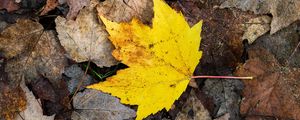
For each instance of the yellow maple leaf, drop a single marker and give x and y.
(161, 59)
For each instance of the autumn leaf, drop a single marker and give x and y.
(84, 39)
(50, 5)
(284, 12)
(161, 59)
(273, 91)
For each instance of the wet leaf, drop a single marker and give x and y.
(85, 39)
(161, 59)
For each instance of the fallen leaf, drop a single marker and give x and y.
(274, 91)
(50, 5)
(54, 98)
(256, 27)
(224, 117)
(12, 99)
(18, 37)
(161, 59)
(221, 35)
(75, 6)
(9, 5)
(43, 90)
(85, 39)
(75, 73)
(194, 105)
(284, 12)
(283, 45)
(40, 54)
(124, 11)
(33, 109)
(95, 105)
(226, 96)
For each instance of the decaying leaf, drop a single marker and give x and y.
(284, 12)
(75, 73)
(256, 27)
(15, 39)
(95, 105)
(75, 7)
(193, 104)
(224, 117)
(125, 10)
(9, 5)
(12, 99)
(33, 109)
(161, 59)
(85, 39)
(283, 45)
(274, 91)
(50, 5)
(226, 96)
(41, 53)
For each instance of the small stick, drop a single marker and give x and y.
(222, 77)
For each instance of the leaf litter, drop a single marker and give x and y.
(222, 45)
(275, 89)
(284, 12)
(161, 61)
(33, 109)
(85, 39)
(41, 53)
(92, 105)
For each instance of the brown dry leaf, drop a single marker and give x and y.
(12, 99)
(15, 39)
(284, 12)
(85, 39)
(33, 109)
(95, 105)
(41, 53)
(75, 7)
(256, 27)
(9, 5)
(125, 10)
(193, 104)
(274, 91)
(50, 5)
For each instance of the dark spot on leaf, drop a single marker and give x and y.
(173, 85)
(151, 45)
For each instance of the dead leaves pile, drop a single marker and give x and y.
(33, 53)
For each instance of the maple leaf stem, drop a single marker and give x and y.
(222, 77)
